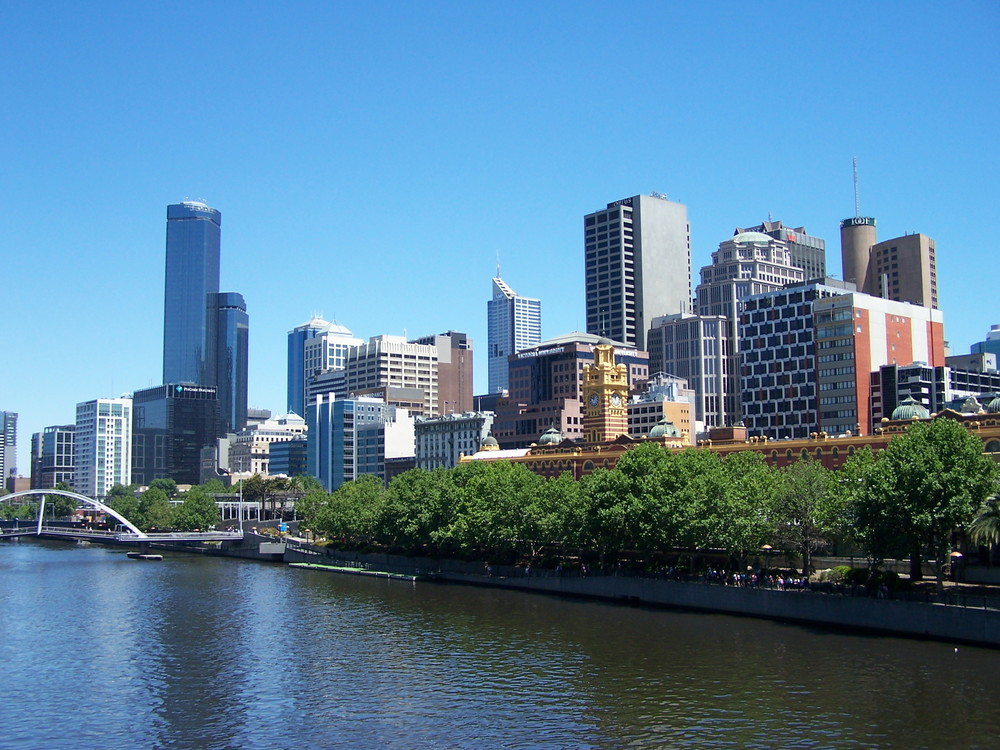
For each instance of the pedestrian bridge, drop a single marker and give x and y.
(133, 535)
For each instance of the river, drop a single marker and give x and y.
(100, 651)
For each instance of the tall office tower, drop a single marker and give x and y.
(745, 264)
(807, 253)
(855, 335)
(388, 361)
(934, 388)
(8, 445)
(52, 456)
(904, 269)
(103, 445)
(698, 348)
(515, 323)
(297, 372)
(857, 235)
(232, 359)
(171, 424)
(638, 266)
(454, 370)
(190, 308)
(778, 359)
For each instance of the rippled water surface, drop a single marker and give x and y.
(99, 651)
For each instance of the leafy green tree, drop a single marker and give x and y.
(124, 503)
(198, 511)
(746, 514)
(155, 509)
(927, 482)
(167, 486)
(492, 500)
(214, 487)
(811, 508)
(417, 510)
(60, 506)
(351, 509)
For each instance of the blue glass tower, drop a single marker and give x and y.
(190, 307)
(232, 359)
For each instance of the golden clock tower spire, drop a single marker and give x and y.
(605, 396)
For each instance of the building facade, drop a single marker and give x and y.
(389, 360)
(665, 397)
(454, 370)
(934, 388)
(637, 266)
(52, 456)
(102, 445)
(440, 441)
(698, 348)
(296, 375)
(8, 445)
(904, 269)
(250, 449)
(807, 252)
(190, 307)
(326, 351)
(777, 336)
(855, 335)
(171, 425)
(514, 323)
(344, 440)
(547, 388)
(232, 359)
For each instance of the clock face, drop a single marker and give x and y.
(616, 399)
(593, 399)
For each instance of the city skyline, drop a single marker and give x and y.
(309, 122)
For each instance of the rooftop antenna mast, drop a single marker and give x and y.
(498, 264)
(857, 211)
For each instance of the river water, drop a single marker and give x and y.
(99, 651)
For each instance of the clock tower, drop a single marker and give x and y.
(605, 396)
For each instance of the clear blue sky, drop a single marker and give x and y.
(371, 160)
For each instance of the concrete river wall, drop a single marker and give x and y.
(974, 625)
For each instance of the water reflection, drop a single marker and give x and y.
(199, 652)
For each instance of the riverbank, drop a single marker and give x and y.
(958, 624)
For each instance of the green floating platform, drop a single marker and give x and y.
(364, 572)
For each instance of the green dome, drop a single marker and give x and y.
(664, 429)
(751, 238)
(993, 407)
(551, 436)
(910, 409)
(490, 442)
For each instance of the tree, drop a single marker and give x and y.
(350, 511)
(167, 486)
(59, 505)
(985, 527)
(123, 503)
(925, 484)
(746, 515)
(155, 511)
(810, 507)
(198, 511)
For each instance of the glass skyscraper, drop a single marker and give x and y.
(514, 323)
(190, 329)
(205, 333)
(231, 359)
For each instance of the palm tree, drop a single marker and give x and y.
(985, 527)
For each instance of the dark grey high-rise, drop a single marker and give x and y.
(190, 306)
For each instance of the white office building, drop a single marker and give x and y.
(102, 445)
